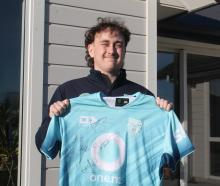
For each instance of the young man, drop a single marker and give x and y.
(105, 45)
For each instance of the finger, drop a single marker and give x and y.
(60, 106)
(161, 103)
(57, 108)
(158, 100)
(169, 107)
(66, 102)
(53, 111)
(51, 114)
(165, 104)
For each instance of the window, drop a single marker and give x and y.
(10, 49)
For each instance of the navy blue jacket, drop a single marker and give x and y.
(94, 82)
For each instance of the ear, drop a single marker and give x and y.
(91, 50)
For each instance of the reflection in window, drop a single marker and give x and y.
(10, 37)
(168, 88)
(215, 108)
(214, 158)
(168, 78)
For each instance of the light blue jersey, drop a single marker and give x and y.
(104, 145)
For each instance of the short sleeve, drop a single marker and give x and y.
(177, 143)
(49, 146)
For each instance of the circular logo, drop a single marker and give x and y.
(99, 143)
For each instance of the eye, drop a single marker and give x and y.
(104, 44)
(119, 45)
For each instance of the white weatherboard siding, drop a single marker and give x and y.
(65, 24)
(198, 125)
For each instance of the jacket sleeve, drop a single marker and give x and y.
(42, 131)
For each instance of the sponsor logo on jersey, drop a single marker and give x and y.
(101, 146)
(105, 179)
(87, 120)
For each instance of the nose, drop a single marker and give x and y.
(113, 52)
(111, 49)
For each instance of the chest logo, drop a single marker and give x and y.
(134, 126)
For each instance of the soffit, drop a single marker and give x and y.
(169, 8)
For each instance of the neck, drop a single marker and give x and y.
(109, 77)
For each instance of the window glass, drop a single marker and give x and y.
(214, 158)
(10, 49)
(215, 108)
(168, 78)
(168, 88)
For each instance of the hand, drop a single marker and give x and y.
(164, 104)
(58, 108)
(167, 174)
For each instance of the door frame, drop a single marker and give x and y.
(31, 91)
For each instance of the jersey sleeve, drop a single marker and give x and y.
(42, 131)
(49, 146)
(177, 143)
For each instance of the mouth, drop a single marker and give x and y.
(111, 58)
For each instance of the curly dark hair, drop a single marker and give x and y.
(103, 24)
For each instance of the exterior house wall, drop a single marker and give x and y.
(199, 125)
(65, 24)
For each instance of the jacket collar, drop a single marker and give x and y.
(97, 76)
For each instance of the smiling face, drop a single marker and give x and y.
(108, 51)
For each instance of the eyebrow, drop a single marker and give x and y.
(107, 41)
(104, 41)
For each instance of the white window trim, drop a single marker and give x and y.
(192, 47)
(151, 46)
(207, 129)
(31, 101)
